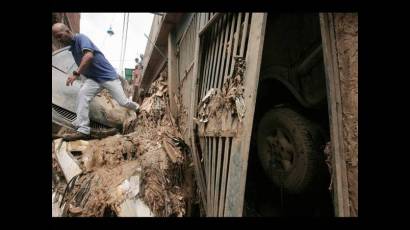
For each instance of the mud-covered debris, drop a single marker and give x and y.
(204, 110)
(178, 202)
(129, 123)
(328, 159)
(155, 144)
(109, 151)
(91, 193)
(107, 96)
(75, 210)
(173, 153)
(159, 194)
(153, 191)
(233, 89)
(208, 95)
(228, 100)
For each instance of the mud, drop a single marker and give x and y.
(107, 110)
(110, 151)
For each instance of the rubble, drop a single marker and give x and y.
(228, 102)
(139, 172)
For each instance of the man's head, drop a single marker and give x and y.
(62, 33)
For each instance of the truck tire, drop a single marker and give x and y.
(288, 149)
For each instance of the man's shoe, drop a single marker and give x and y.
(76, 136)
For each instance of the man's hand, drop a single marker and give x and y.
(70, 80)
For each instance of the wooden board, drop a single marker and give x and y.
(173, 79)
(336, 121)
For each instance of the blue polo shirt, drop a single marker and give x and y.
(99, 69)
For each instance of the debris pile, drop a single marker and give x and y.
(152, 149)
(164, 156)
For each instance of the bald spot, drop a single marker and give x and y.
(58, 27)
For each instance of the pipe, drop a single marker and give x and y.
(310, 61)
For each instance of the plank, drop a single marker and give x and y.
(224, 175)
(218, 176)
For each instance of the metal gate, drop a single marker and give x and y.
(221, 149)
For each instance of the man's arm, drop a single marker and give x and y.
(85, 62)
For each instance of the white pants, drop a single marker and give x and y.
(88, 91)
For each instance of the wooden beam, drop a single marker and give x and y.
(173, 78)
(222, 70)
(219, 42)
(224, 176)
(211, 62)
(235, 46)
(339, 175)
(229, 54)
(209, 178)
(244, 34)
(194, 95)
(213, 176)
(218, 177)
(205, 41)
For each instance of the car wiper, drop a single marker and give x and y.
(59, 69)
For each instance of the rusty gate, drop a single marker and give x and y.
(221, 142)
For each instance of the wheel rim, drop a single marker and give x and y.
(281, 149)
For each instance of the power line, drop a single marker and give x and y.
(122, 39)
(125, 42)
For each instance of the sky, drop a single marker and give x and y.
(95, 26)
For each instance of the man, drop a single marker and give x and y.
(99, 73)
(137, 82)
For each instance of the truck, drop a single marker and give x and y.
(268, 105)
